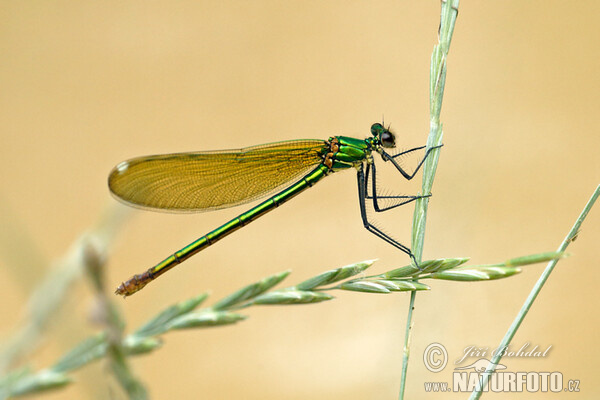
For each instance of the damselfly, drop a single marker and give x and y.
(212, 180)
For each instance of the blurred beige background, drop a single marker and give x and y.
(85, 86)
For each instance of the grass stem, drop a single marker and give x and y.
(531, 298)
(439, 57)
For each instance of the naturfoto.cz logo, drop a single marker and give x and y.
(472, 376)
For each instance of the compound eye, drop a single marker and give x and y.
(377, 129)
(387, 139)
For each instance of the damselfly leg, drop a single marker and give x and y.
(369, 173)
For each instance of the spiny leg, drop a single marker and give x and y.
(375, 197)
(362, 188)
(386, 157)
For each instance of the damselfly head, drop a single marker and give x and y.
(385, 136)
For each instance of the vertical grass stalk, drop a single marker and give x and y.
(437, 78)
